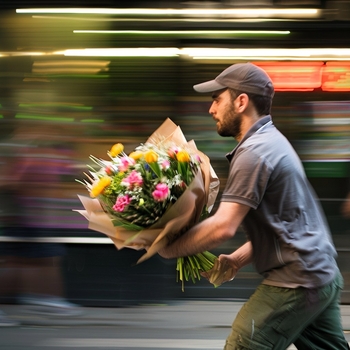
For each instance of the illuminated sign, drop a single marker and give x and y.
(336, 76)
(308, 76)
(294, 76)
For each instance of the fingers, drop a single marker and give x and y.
(222, 272)
(228, 274)
(215, 272)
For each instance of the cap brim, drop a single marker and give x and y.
(209, 86)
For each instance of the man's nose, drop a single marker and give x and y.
(212, 109)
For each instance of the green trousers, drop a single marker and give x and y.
(274, 318)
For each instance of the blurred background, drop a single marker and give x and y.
(76, 80)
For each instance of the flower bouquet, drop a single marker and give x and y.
(148, 198)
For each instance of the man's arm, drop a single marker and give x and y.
(209, 233)
(240, 257)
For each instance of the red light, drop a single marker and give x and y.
(294, 76)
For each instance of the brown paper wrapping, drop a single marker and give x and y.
(179, 217)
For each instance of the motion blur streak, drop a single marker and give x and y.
(135, 343)
(226, 12)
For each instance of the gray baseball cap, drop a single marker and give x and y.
(245, 77)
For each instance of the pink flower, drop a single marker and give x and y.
(134, 179)
(121, 203)
(165, 164)
(161, 192)
(125, 162)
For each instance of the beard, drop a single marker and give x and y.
(231, 124)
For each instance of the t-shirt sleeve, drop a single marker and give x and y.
(248, 179)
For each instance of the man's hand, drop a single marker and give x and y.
(224, 270)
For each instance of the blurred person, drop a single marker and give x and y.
(32, 166)
(288, 238)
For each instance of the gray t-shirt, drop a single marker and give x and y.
(286, 225)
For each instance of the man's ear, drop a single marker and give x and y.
(242, 102)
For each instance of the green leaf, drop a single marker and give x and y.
(156, 169)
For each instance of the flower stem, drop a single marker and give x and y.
(192, 266)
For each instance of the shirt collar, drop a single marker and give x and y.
(254, 128)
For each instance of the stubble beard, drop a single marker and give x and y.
(231, 124)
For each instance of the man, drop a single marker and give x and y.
(288, 238)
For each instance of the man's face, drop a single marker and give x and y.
(223, 110)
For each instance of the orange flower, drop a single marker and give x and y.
(116, 149)
(151, 156)
(183, 156)
(136, 155)
(99, 186)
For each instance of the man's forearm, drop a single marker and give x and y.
(204, 236)
(209, 233)
(243, 255)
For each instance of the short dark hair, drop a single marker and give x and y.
(261, 103)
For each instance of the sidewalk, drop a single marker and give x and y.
(175, 314)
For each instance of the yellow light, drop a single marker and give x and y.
(199, 19)
(123, 52)
(196, 53)
(186, 32)
(225, 12)
(22, 53)
(79, 63)
(70, 67)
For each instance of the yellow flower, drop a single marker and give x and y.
(151, 156)
(116, 149)
(99, 186)
(183, 156)
(136, 155)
